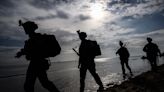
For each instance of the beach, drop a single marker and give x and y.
(65, 75)
(147, 82)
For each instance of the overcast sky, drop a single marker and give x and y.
(106, 21)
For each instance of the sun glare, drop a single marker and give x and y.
(96, 11)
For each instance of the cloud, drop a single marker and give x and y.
(64, 37)
(6, 7)
(144, 24)
(129, 22)
(83, 17)
(45, 17)
(7, 4)
(139, 40)
(141, 9)
(62, 15)
(59, 14)
(6, 41)
(11, 35)
(47, 4)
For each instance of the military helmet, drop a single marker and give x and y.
(28, 26)
(149, 39)
(83, 35)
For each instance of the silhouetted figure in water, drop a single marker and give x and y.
(87, 53)
(152, 51)
(124, 58)
(34, 52)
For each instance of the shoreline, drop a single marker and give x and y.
(149, 81)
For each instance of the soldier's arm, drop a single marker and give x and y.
(128, 52)
(79, 64)
(78, 31)
(158, 50)
(20, 53)
(145, 48)
(117, 51)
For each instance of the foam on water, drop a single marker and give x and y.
(101, 59)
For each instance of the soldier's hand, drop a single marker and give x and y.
(18, 55)
(79, 66)
(160, 55)
(78, 31)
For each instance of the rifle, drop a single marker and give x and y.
(145, 57)
(75, 51)
(78, 55)
(162, 54)
(78, 32)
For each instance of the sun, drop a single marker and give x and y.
(96, 11)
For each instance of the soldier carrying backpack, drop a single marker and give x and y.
(36, 49)
(124, 58)
(152, 51)
(88, 50)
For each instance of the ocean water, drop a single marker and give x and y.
(65, 75)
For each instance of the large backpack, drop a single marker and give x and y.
(96, 48)
(51, 46)
(41, 46)
(93, 48)
(123, 52)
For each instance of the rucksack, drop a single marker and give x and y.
(123, 52)
(51, 46)
(94, 48)
(41, 46)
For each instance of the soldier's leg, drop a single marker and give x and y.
(30, 80)
(151, 63)
(83, 71)
(122, 66)
(42, 75)
(92, 70)
(127, 65)
(155, 63)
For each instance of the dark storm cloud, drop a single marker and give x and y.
(157, 4)
(144, 7)
(11, 35)
(127, 18)
(133, 1)
(64, 37)
(9, 42)
(6, 7)
(15, 37)
(145, 24)
(45, 17)
(62, 33)
(126, 2)
(83, 17)
(60, 14)
(7, 4)
(47, 4)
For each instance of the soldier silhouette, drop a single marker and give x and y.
(86, 61)
(152, 51)
(38, 63)
(124, 58)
